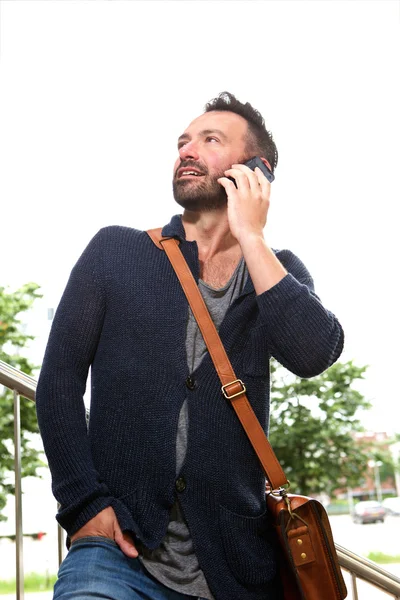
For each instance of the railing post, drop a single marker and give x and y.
(354, 590)
(60, 537)
(18, 499)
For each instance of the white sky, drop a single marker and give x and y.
(93, 96)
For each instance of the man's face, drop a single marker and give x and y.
(211, 144)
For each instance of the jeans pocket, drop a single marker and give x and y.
(93, 539)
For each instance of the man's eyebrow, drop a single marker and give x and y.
(203, 133)
(211, 131)
(184, 136)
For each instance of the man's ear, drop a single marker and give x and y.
(266, 163)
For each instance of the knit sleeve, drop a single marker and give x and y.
(59, 398)
(304, 336)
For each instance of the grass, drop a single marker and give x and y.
(383, 559)
(338, 507)
(34, 582)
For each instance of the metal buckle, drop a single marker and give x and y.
(242, 391)
(282, 491)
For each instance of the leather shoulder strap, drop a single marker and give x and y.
(155, 236)
(232, 388)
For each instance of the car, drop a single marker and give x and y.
(392, 505)
(368, 511)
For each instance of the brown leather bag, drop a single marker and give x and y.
(308, 561)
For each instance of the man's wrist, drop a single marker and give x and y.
(250, 238)
(264, 267)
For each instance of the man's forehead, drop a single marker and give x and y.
(228, 122)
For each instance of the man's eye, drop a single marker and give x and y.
(211, 139)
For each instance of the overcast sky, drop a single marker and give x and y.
(93, 95)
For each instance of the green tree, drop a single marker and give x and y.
(12, 340)
(312, 426)
(381, 454)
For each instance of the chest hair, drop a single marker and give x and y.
(216, 272)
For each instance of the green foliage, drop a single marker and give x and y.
(387, 464)
(383, 453)
(12, 340)
(33, 582)
(312, 422)
(384, 559)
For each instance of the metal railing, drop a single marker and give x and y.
(21, 385)
(358, 567)
(362, 568)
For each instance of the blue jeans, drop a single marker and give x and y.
(95, 568)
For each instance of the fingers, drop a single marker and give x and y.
(125, 543)
(105, 524)
(100, 525)
(249, 180)
(227, 184)
(245, 179)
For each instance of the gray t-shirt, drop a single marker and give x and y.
(174, 562)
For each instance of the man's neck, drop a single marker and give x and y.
(211, 232)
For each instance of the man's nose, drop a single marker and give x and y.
(188, 150)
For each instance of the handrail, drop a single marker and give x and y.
(357, 565)
(16, 380)
(368, 570)
(22, 385)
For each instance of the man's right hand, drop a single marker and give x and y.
(105, 524)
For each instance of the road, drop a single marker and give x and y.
(362, 539)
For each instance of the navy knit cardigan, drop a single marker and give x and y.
(124, 314)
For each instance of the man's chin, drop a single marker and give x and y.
(200, 204)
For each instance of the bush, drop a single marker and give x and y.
(383, 559)
(33, 582)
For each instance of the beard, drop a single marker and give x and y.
(202, 193)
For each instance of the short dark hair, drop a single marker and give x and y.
(258, 135)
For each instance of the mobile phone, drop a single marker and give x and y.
(257, 162)
(254, 162)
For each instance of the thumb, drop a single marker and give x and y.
(125, 542)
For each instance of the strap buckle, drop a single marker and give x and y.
(226, 392)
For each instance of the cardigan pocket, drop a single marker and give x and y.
(256, 353)
(249, 546)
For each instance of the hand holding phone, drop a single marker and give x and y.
(247, 204)
(254, 162)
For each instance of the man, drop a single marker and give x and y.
(163, 496)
